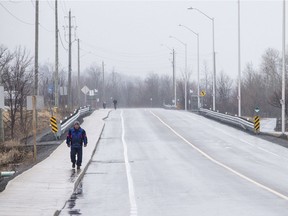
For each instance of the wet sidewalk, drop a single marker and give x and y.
(44, 189)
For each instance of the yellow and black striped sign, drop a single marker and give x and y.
(53, 124)
(202, 93)
(257, 123)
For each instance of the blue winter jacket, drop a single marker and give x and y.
(76, 137)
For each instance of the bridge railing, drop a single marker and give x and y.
(233, 120)
(68, 121)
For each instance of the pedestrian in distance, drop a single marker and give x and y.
(76, 137)
(115, 104)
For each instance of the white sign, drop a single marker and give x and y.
(63, 90)
(39, 102)
(85, 90)
(91, 93)
(1, 97)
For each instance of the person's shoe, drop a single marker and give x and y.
(73, 165)
(78, 167)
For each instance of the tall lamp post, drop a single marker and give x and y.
(283, 128)
(185, 79)
(213, 47)
(239, 63)
(198, 79)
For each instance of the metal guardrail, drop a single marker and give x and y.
(68, 121)
(234, 120)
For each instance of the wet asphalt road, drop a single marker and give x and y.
(172, 163)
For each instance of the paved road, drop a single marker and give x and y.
(173, 163)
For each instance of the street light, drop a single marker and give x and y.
(282, 101)
(198, 85)
(185, 80)
(239, 63)
(213, 47)
(174, 75)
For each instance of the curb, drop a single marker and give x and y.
(80, 177)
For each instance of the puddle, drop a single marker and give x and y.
(72, 201)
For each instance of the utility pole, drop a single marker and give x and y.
(174, 78)
(104, 99)
(69, 65)
(78, 83)
(36, 47)
(56, 56)
(34, 98)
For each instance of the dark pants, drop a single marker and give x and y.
(76, 150)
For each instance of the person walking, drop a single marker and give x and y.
(115, 104)
(75, 138)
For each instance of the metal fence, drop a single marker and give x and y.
(68, 121)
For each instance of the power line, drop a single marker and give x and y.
(15, 2)
(45, 28)
(48, 2)
(62, 42)
(15, 16)
(133, 55)
(32, 3)
(63, 8)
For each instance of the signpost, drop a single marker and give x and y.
(257, 121)
(85, 90)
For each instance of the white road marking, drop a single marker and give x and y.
(133, 205)
(244, 141)
(221, 164)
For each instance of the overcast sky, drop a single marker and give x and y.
(127, 35)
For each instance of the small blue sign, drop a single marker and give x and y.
(50, 89)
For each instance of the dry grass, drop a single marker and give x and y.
(12, 156)
(13, 151)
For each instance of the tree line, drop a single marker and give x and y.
(260, 86)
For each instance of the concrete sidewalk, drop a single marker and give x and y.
(44, 189)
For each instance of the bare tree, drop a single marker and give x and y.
(166, 89)
(152, 82)
(252, 91)
(17, 80)
(5, 57)
(224, 90)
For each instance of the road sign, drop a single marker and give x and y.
(53, 124)
(50, 89)
(85, 90)
(202, 93)
(1, 97)
(39, 102)
(256, 124)
(257, 109)
(63, 90)
(91, 93)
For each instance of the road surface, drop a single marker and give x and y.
(154, 162)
